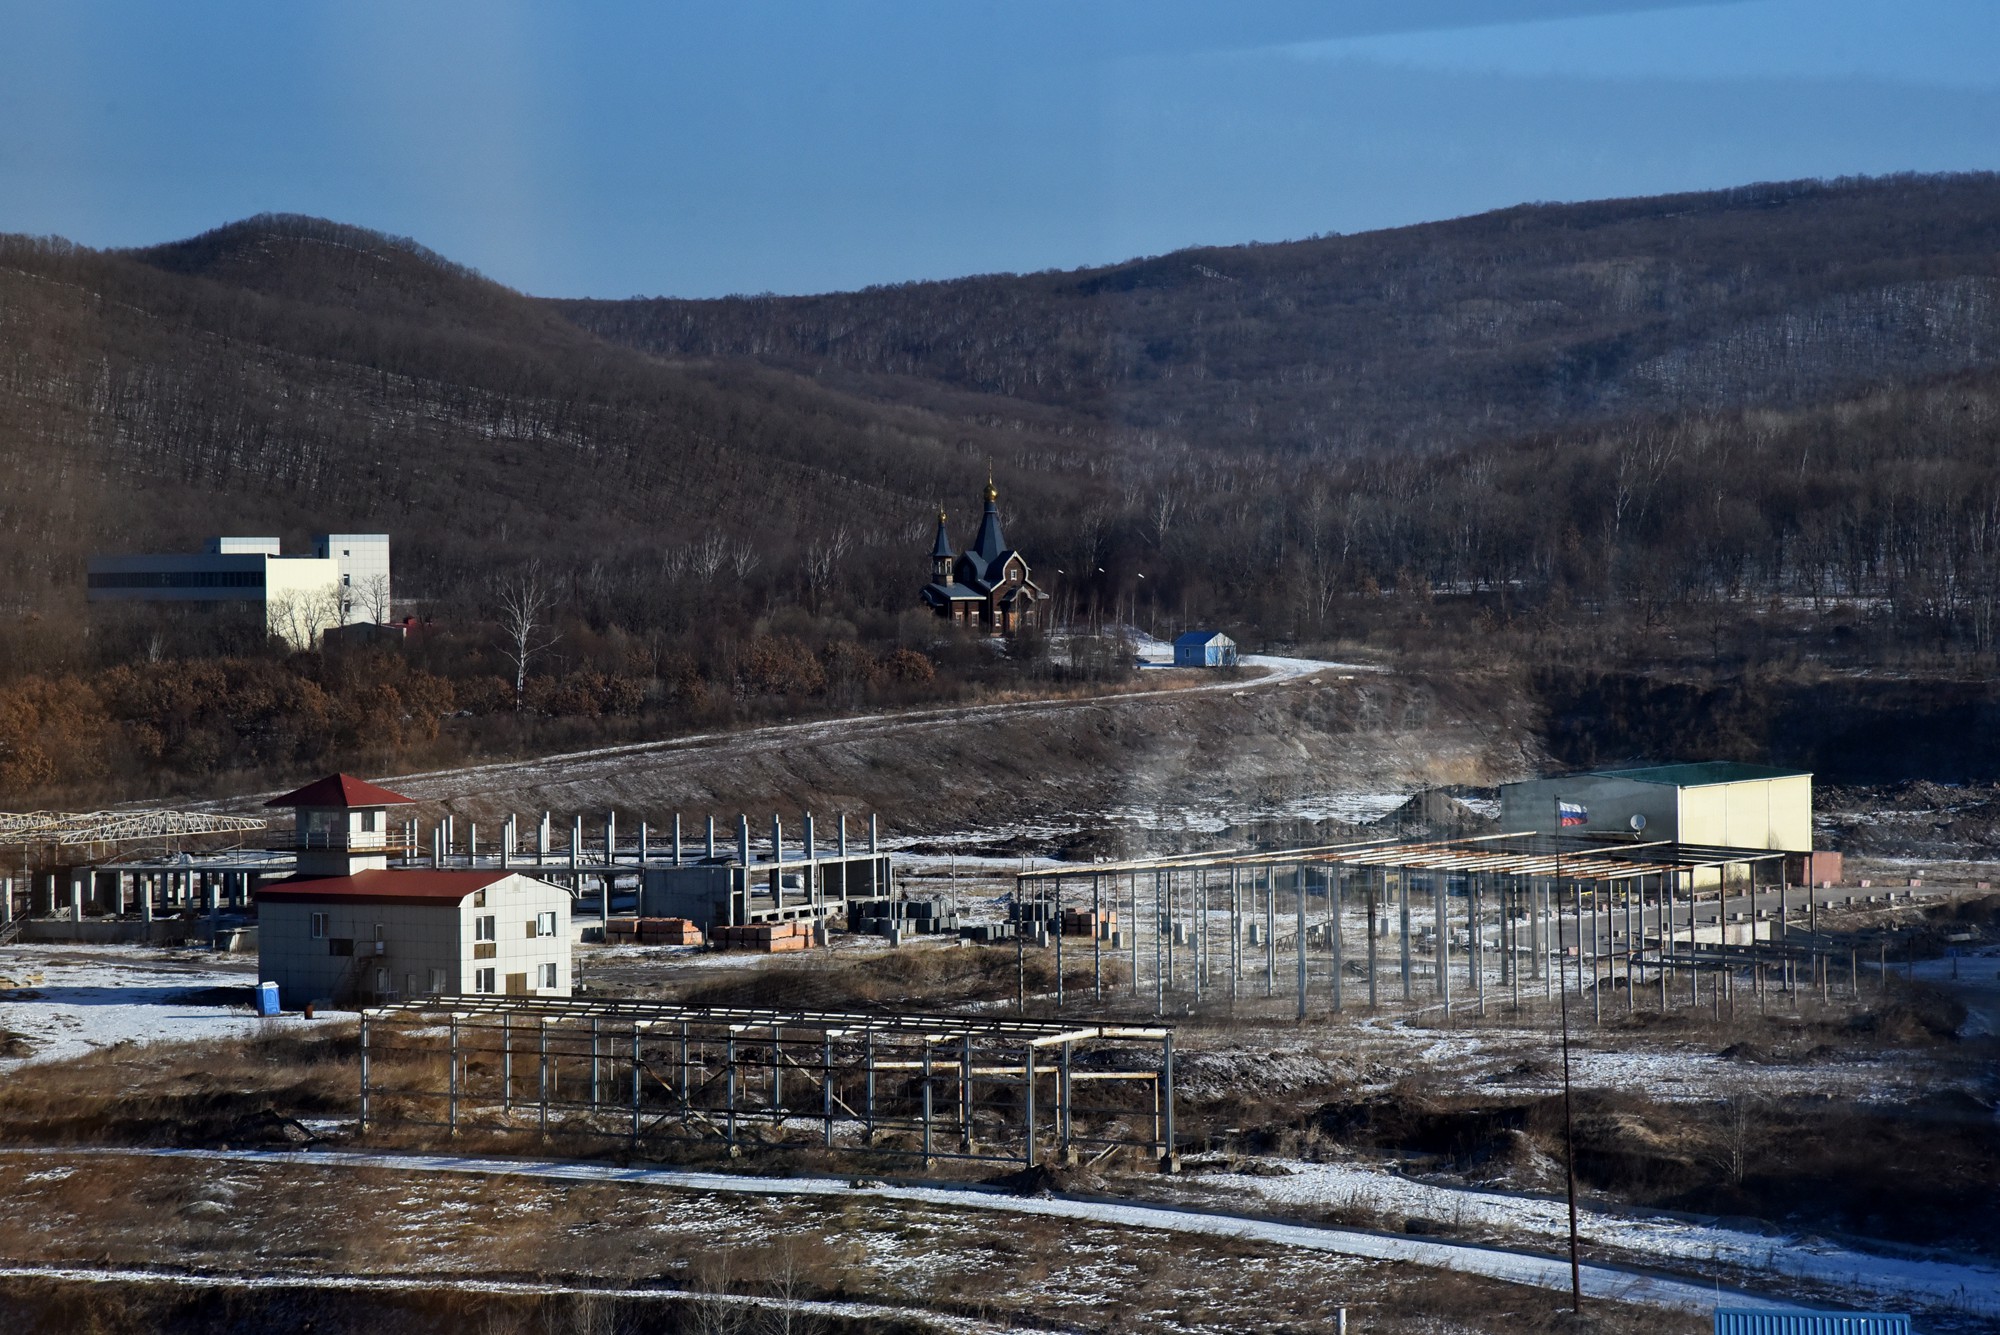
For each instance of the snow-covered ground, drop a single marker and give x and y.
(1548, 1272)
(101, 996)
(1662, 1241)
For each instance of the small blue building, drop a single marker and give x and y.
(1204, 648)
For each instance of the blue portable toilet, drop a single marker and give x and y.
(267, 998)
(1204, 648)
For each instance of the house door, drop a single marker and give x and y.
(517, 985)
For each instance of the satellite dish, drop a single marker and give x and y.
(1638, 823)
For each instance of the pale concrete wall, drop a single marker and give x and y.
(514, 905)
(301, 598)
(1755, 813)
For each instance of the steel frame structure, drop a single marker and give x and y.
(921, 1088)
(63, 829)
(1212, 927)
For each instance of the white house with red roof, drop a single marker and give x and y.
(349, 929)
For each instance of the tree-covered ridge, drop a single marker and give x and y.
(1522, 319)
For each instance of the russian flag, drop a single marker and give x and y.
(1571, 813)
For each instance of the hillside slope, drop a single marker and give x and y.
(288, 375)
(1528, 318)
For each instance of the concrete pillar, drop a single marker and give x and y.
(874, 834)
(809, 836)
(611, 836)
(743, 840)
(677, 838)
(1403, 925)
(145, 884)
(75, 897)
(777, 839)
(6, 899)
(575, 843)
(843, 834)
(645, 841)
(710, 851)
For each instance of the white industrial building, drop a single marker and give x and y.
(346, 580)
(1717, 804)
(362, 562)
(349, 929)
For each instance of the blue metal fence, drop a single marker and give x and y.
(1744, 1321)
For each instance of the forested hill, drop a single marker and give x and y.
(1633, 428)
(288, 375)
(1524, 319)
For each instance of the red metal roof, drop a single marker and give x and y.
(339, 790)
(384, 887)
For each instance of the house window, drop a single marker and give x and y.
(368, 821)
(548, 980)
(340, 945)
(318, 926)
(482, 928)
(479, 899)
(545, 925)
(482, 980)
(437, 982)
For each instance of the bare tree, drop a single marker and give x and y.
(525, 601)
(371, 596)
(298, 616)
(823, 558)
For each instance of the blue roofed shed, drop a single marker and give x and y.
(1204, 648)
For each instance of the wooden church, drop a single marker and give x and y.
(986, 588)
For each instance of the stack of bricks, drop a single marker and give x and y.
(770, 937)
(652, 932)
(1082, 922)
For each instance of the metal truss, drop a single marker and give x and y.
(71, 828)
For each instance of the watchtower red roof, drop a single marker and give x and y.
(339, 790)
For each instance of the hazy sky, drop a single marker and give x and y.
(614, 148)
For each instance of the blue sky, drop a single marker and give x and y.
(612, 149)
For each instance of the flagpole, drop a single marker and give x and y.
(1569, 1118)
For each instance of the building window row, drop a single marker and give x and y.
(176, 579)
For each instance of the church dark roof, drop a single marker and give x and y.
(989, 545)
(942, 547)
(936, 592)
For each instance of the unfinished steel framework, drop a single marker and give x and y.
(1379, 922)
(718, 883)
(919, 1088)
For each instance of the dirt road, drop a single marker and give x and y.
(1196, 757)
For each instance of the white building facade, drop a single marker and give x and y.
(296, 597)
(350, 930)
(392, 935)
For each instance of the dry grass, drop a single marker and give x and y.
(232, 1218)
(182, 1094)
